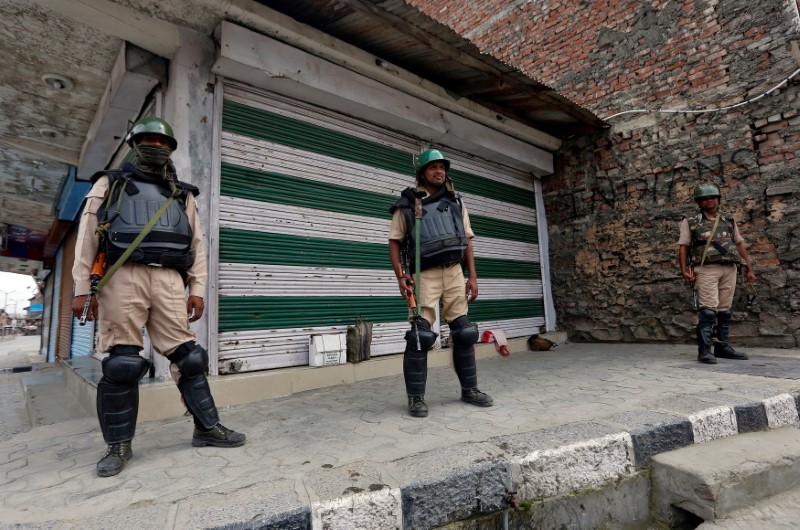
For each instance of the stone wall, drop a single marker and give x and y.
(615, 200)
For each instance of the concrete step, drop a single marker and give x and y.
(779, 512)
(714, 479)
(47, 398)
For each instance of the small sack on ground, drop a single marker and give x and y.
(537, 343)
(359, 341)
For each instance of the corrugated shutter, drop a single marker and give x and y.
(303, 239)
(51, 345)
(47, 317)
(82, 338)
(65, 316)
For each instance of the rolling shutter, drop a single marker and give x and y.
(55, 308)
(303, 238)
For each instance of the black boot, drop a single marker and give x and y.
(705, 322)
(417, 406)
(217, 436)
(721, 348)
(114, 460)
(473, 396)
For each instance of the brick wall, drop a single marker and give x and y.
(614, 202)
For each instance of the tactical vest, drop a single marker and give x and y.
(443, 240)
(722, 248)
(135, 198)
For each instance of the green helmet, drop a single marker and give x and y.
(151, 125)
(428, 156)
(706, 190)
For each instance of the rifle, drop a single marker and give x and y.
(751, 289)
(693, 285)
(97, 273)
(412, 302)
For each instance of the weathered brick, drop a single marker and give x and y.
(614, 56)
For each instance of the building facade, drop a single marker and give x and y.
(727, 73)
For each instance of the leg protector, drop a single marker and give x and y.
(722, 348)
(705, 322)
(192, 361)
(464, 335)
(118, 393)
(415, 362)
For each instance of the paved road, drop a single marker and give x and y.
(315, 447)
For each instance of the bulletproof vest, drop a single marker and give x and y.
(443, 240)
(722, 248)
(133, 203)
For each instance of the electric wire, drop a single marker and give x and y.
(702, 111)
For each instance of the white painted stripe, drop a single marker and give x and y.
(387, 338)
(265, 156)
(572, 467)
(367, 509)
(781, 411)
(335, 121)
(713, 423)
(244, 279)
(247, 214)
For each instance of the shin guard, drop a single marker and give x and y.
(118, 393)
(192, 362)
(415, 362)
(464, 335)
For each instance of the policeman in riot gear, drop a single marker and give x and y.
(710, 250)
(445, 246)
(145, 286)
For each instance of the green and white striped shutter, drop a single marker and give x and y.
(303, 232)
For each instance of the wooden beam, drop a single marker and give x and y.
(402, 26)
(152, 34)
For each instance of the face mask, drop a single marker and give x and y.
(152, 155)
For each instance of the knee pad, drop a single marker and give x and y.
(723, 317)
(426, 336)
(124, 366)
(707, 315)
(463, 332)
(191, 359)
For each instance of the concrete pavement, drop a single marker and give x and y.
(574, 418)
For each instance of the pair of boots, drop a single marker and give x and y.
(118, 454)
(706, 337)
(118, 402)
(463, 334)
(473, 396)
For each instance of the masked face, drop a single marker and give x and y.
(153, 149)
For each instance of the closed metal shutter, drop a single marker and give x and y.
(47, 317)
(56, 307)
(65, 316)
(303, 238)
(82, 338)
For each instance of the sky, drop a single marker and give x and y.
(16, 288)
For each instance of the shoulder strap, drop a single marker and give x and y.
(710, 238)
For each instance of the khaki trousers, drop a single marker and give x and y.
(140, 296)
(716, 283)
(445, 284)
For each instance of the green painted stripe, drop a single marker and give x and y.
(254, 313)
(247, 183)
(258, 123)
(252, 184)
(244, 246)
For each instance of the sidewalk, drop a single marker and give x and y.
(349, 456)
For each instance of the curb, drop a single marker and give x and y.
(445, 485)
